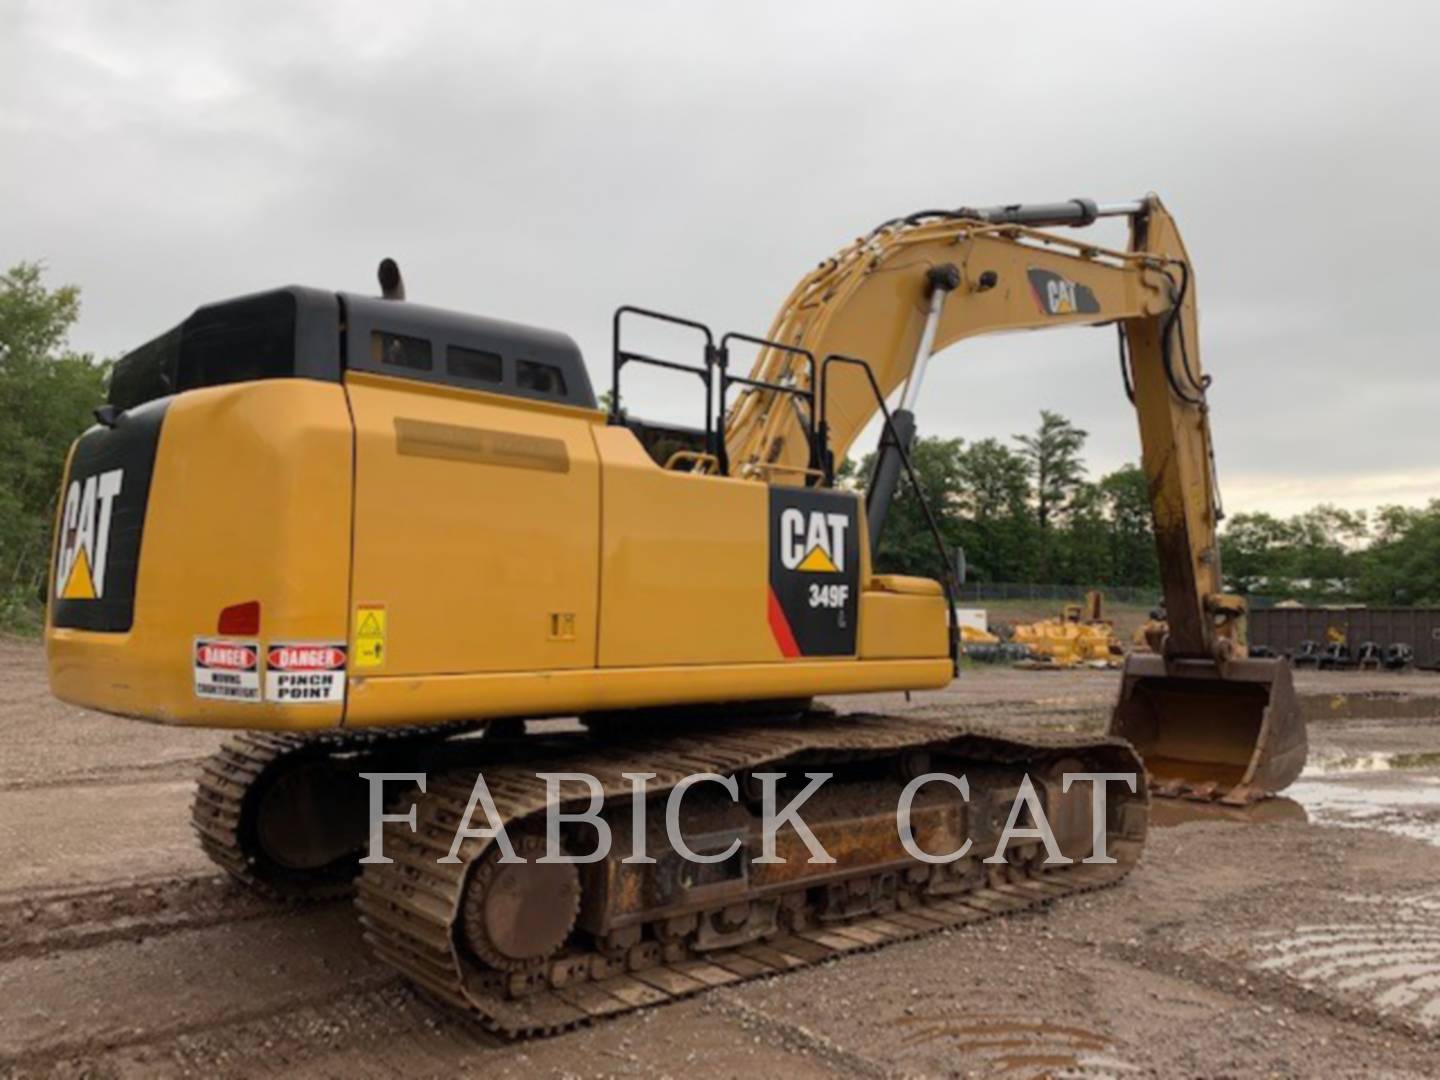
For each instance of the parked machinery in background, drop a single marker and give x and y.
(1370, 656)
(1399, 657)
(1080, 636)
(1336, 657)
(1307, 655)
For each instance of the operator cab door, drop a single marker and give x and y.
(477, 521)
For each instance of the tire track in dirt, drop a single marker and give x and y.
(48, 922)
(128, 987)
(158, 771)
(1386, 956)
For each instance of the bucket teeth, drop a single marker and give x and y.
(1230, 732)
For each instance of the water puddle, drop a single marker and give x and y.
(1012, 1047)
(1398, 792)
(1372, 705)
(1328, 763)
(1404, 803)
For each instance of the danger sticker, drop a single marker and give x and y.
(227, 670)
(305, 672)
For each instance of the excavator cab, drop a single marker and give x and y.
(1207, 729)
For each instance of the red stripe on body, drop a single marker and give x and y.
(780, 627)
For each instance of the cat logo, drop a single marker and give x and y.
(813, 541)
(1060, 296)
(85, 536)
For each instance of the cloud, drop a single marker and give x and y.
(549, 161)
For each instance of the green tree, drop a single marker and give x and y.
(47, 393)
(1053, 453)
(1133, 559)
(996, 528)
(1314, 556)
(1255, 553)
(1327, 542)
(1056, 471)
(1402, 565)
(906, 545)
(1080, 552)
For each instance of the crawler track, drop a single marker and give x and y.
(233, 780)
(411, 907)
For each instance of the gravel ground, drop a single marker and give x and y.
(1302, 939)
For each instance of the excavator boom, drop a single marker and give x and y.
(1209, 721)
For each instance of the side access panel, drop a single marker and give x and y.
(684, 564)
(477, 523)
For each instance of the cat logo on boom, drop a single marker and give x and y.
(1057, 295)
(85, 536)
(813, 541)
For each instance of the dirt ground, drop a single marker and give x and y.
(1302, 940)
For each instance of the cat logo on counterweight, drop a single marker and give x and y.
(85, 536)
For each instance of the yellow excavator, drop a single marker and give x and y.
(377, 538)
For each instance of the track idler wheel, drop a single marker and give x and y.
(517, 915)
(282, 816)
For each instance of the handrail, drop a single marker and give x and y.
(808, 395)
(947, 574)
(621, 357)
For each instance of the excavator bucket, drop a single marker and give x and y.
(1230, 732)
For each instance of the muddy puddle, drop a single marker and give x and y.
(1370, 705)
(1010, 1046)
(1398, 792)
(1395, 791)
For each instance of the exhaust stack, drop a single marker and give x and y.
(392, 285)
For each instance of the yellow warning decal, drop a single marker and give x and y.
(369, 637)
(817, 562)
(81, 584)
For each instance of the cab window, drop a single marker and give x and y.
(541, 378)
(399, 350)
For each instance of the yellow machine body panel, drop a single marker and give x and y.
(683, 555)
(902, 618)
(501, 558)
(476, 526)
(249, 501)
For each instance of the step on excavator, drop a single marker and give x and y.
(379, 539)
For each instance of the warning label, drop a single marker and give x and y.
(305, 673)
(227, 670)
(370, 636)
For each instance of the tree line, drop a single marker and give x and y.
(1027, 513)
(47, 392)
(1388, 557)
(1022, 512)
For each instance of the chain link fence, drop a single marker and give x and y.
(979, 592)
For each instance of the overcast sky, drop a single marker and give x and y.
(545, 162)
